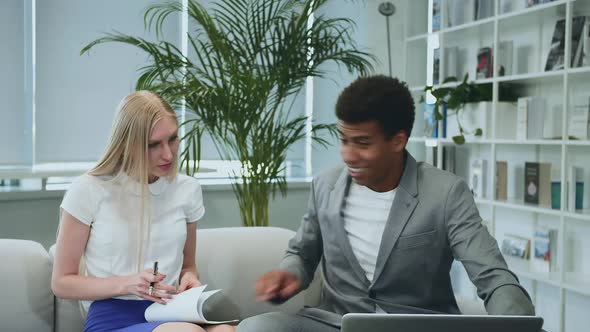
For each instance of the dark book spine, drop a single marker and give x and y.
(531, 183)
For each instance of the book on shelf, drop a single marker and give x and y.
(430, 122)
(436, 66)
(507, 6)
(552, 122)
(430, 156)
(545, 250)
(530, 116)
(485, 63)
(575, 188)
(556, 56)
(460, 11)
(530, 3)
(484, 9)
(521, 118)
(516, 246)
(449, 158)
(578, 27)
(192, 305)
(501, 180)
(436, 15)
(504, 58)
(451, 62)
(443, 124)
(477, 177)
(555, 189)
(537, 183)
(579, 117)
(586, 44)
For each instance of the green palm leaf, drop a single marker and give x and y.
(248, 60)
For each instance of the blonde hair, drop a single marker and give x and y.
(127, 150)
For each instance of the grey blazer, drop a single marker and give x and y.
(433, 220)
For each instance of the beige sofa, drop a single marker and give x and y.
(228, 258)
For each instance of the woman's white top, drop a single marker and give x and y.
(113, 207)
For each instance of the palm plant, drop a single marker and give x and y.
(251, 57)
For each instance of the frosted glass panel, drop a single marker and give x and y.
(12, 112)
(77, 95)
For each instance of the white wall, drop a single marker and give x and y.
(34, 215)
(371, 36)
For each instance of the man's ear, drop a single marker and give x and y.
(399, 141)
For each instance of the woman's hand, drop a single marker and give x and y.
(139, 284)
(189, 280)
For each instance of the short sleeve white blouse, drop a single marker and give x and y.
(113, 207)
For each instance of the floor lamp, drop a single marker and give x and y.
(387, 9)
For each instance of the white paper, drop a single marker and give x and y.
(184, 307)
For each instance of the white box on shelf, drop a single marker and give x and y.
(579, 117)
(530, 117)
(536, 114)
(471, 116)
(506, 120)
(552, 122)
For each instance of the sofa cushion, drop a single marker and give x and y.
(233, 258)
(25, 285)
(68, 317)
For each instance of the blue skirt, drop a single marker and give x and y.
(115, 315)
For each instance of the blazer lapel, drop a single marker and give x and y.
(403, 206)
(337, 205)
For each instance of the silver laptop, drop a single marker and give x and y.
(439, 323)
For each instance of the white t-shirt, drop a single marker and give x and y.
(113, 206)
(365, 217)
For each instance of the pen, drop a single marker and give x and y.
(151, 290)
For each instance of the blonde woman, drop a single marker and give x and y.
(131, 210)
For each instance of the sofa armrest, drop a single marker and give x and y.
(25, 283)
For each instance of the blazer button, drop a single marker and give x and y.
(372, 294)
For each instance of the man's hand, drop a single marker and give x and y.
(277, 286)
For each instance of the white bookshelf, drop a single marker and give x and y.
(562, 296)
